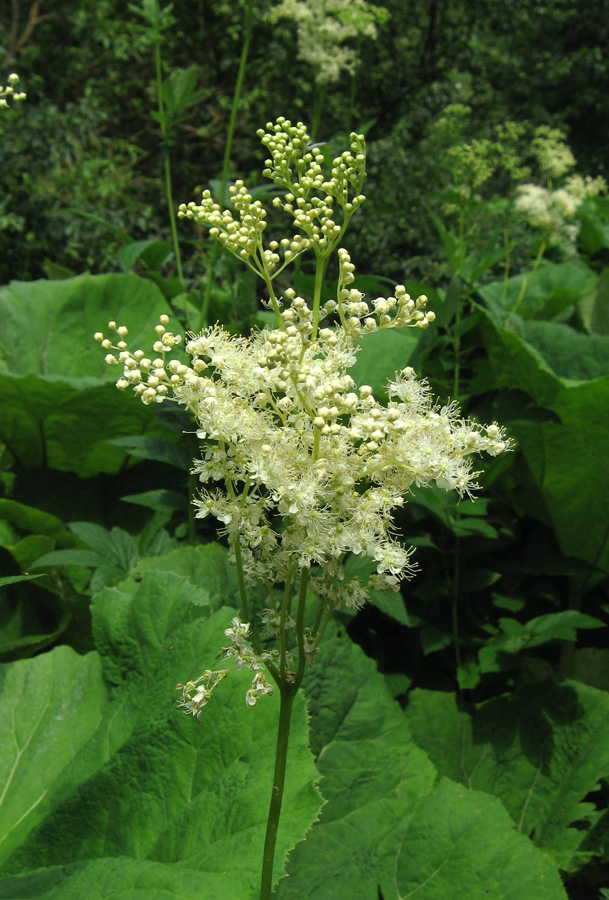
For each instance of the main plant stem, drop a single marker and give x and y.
(287, 693)
(288, 684)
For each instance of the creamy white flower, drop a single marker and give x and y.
(323, 27)
(553, 211)
(300, 465)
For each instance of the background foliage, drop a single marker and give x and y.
(457, 731)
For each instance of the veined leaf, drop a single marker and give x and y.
(388, 824)
(541, 750)
(138, 794)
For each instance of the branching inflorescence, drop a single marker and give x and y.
(287, 435)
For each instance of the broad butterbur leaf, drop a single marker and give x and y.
(149, 798)
(389, 825)
(541, 750)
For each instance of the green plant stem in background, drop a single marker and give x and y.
(353, 87)
(247, 36)
(529, 278)
(249, 19)
(165, 134)
(319, 96)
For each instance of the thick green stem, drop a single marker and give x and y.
(302, 600)
(172, 218)
(319, 280)
(287, 693)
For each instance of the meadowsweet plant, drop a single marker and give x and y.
(324, 27)
(327, 30)
(300, 465)
(552, 209)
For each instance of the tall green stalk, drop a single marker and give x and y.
(529, 278)
(165, 134)
(245, 49)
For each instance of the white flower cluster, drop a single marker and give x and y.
(323, 27)
(8, 93)
(245, 658)
(553, 211)
(288, 432)
(197, 694)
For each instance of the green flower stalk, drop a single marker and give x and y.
(288, 436)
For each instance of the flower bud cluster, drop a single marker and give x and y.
(310, 198)
(148, 377)
(392, 312)
(8, 92)
(244, 238)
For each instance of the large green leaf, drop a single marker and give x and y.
(50, 423)
(462, 843)
(48, 326)
(553, 288)
(120, 878)
(31, 616)
(512, 637)
(207, 568)
(382, 354)
(50, 708)
(567, 458)
(27, 532)
(388, 824)
(541, 750)
(156, 796)
(55, 410)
